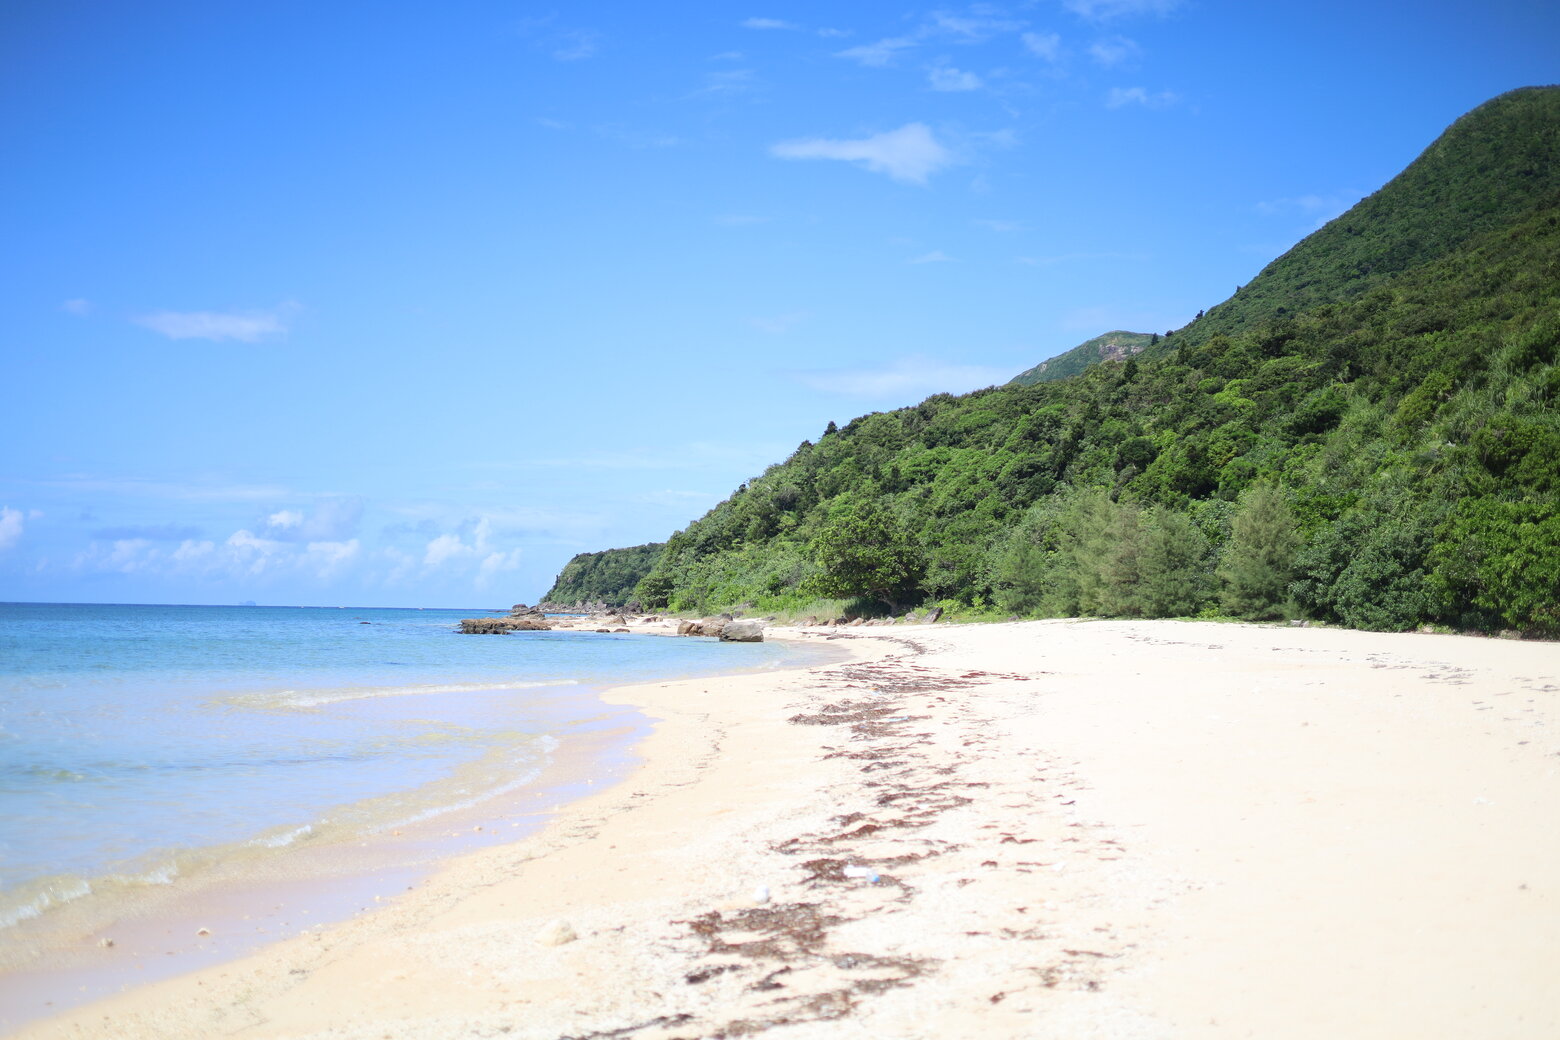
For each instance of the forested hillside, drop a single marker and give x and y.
(1367, 433)
(603, 577)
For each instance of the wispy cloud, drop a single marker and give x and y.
(1120, 97)
(1106, 10)
(908, 154)
(936, 256)
(148, 532)
(768, 23)
(328, 519)
(730, 81)
(11, 526)
(905, 377)
(1000, 226)
(1113, 51)
(564, 43)
(218, 326)
(1043, 45)
(79, 307)
(636, 138)
(977, 27)
(879, 54)
(951, 80)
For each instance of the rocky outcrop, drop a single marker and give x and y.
(497, 626)
(742, 632)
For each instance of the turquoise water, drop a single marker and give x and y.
(138, 741)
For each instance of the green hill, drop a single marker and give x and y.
(1488, 169)
(1113, 346)
(606, 577)
(1367, 434)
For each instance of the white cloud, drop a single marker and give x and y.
(1105, 10)
(767, 23)
(192, 551)
(951, 80)
(329, 519)
(1120, 97)
(1043, 45)
(327, 558)
(879, 54)
(496, 563)
(936, 256)
(244, 326)
(249, 554)
(910, 153)
(79, 307)
(1114, 50)
(999, 226)
(11, 526)
(444, 548)
(906, 377)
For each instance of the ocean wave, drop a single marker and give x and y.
(32, 900)
(284, 700)
(281, 839)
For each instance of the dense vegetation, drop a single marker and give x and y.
(604, 577)
(1113, 346)
(1366, 434)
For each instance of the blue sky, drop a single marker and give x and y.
(405, 304)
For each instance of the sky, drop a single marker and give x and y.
(406, 304)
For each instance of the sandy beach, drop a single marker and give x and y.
(1037, 829)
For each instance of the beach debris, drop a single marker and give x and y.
(761, 894)
(106, 943)
(556, 933)
(203, 931)
(866, 873)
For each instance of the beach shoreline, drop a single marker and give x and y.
(1126, 829)
(225, 901)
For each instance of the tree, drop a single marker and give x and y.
(1259, 561)
(864, 550)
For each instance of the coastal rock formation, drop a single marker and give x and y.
(742, 632)
(502, 625)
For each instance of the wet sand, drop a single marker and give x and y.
(1042, 829)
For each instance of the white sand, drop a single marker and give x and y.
(1115, 829)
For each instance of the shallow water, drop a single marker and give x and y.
(144, 744)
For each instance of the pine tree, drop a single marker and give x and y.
(1258, 562)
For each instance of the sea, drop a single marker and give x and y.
(147, 747)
